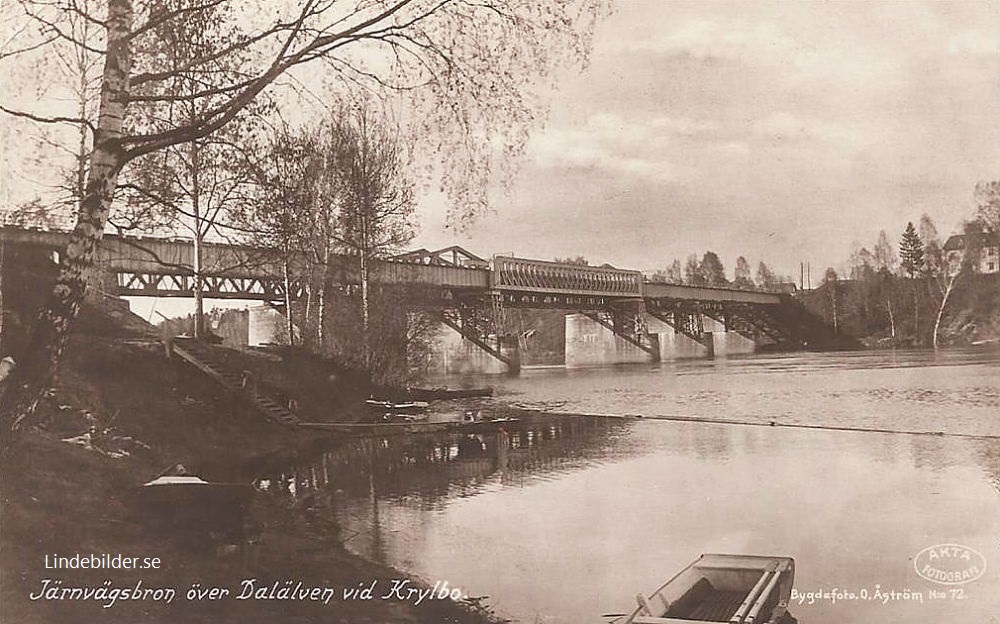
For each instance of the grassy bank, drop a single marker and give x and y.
(132, 413)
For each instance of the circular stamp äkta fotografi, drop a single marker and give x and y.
(949, 564)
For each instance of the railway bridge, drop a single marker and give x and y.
(617, 315)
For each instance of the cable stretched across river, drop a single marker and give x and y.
(774, 423)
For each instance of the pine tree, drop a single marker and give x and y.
(911, 251)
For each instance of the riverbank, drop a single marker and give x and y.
(119, 414)
(902, 313)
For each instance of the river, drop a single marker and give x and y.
(564, 519)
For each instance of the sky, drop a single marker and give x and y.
(788, 132)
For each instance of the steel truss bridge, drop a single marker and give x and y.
(470, 299)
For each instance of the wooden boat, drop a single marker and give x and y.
(187, 504)
(386, 428)
(723, 589)
(396, 406)
(190, 489)
(435, 394)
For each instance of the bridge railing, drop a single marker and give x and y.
(521, 274)
(395, 272)
(656, 290)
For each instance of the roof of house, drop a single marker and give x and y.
(957, 242)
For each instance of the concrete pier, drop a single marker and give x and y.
(451, 353)
(590, 344)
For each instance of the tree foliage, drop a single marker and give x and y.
(692, 272)
(885, 255)
(912, 307)
(766, 279)
(987, 195)
(933, 252)
(673, 274)
(712, 271)
(468, 72)
(340, 189)
(911, 251)
(742, 275)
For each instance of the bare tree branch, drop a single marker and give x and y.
(166, 16)
(42, 119)
(218, 117)
(59, 33)
(29, 48)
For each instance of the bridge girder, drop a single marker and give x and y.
(627, 324)
(748, 320)
(481, 322)
(213, 286)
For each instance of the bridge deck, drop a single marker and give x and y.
(163, 267)
(653, 290)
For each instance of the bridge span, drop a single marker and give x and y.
(164, 268)
(470, 299)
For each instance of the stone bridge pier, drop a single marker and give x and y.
(589, 343)
(453, 353)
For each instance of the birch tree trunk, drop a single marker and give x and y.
(944, 301)
(366, 344)
(833, 306)
(51, 333)
(308, 337)
(321, 304)
(199, 295)
(289, 326)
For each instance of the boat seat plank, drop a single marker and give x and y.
(718, 606)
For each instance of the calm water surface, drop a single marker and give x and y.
(562, 520)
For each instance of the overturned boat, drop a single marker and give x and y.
(722, 589)
(182, 503)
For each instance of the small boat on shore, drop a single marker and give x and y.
(176, 490)
(436, 394)
(724, 589)
(181, 503)
(389, 405)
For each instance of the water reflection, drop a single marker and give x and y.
(561, 519)
(435, 466)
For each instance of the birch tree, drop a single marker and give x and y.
(741, 275)
(832, 281)
(343, 188)
(376, 214)
(948, 273)
(766, 279)
(286, 211)
(469, 70)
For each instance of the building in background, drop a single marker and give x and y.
(986, 243)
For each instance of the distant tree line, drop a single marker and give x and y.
(904, 294)
(709, 271)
